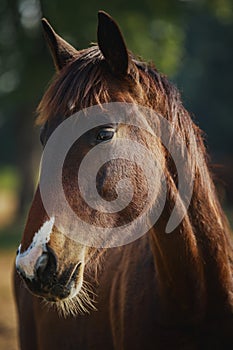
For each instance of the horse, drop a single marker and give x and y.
(159, 291)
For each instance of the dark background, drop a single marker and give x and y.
(189, 41)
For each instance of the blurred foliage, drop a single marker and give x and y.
(190, 41)
(206, 74)
(9, 179)
(11, 236)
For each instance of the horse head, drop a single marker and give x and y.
(50, 262)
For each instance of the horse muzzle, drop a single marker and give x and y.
(45, 278)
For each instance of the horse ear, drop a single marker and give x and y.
(112, 44)
(61, 51)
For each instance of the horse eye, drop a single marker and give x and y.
(105, 134)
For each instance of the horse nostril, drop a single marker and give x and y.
(45, 266)
(41, 264)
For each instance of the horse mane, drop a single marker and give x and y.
(86, 81)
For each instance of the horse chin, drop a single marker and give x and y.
(79, 301)
(73, 292)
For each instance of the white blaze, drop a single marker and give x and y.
(26, 261)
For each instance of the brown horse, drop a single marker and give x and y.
(160, 291)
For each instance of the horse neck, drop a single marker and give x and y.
(193, 263)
